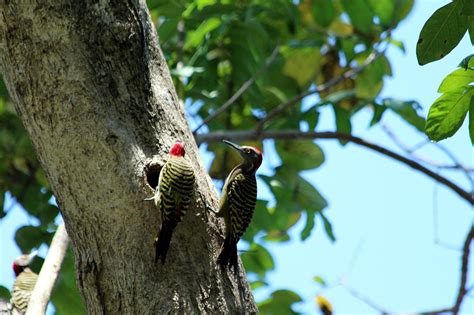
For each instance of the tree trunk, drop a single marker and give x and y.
(92, 88)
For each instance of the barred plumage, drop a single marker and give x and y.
(172, 196)
(237, 203)
(22, 289)
(24, 283)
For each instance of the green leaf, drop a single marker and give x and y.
(378, 113)
(397, 43)
(343, 121)
(470, 23)
(323, 12)
(408, 111)
(301, 155)
(447, 114)
(29, 237)
(280, 303)
(383, 9)
(319, 280)
(196, 37)
(471, 121)
(327, 226)
(257, 259)
(4, 293)
(467, 62)
(167, 29)
(258, 284)
(441, 33)
(308, 228)
(456, 80)
(402, 8)
(312, 118)
(369, 82)
(360, 13)
(301, 64)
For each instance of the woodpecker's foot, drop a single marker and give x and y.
(211, 210)
(149, 199)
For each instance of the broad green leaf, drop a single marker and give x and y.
(302, 64)
(456, 80)
(470, 23)
(327, 227)
(471, 121)
(167, 29)
(308, 228)
(341, 29)
(30, 237)
(383, 9)
(196, 37)
(280, 303)
(323, 12)
(369, 82)
(360, 14)
(447, 114)
(339, 96)
(441, 33)
(319, 280)
(402, 8)
(301, 155)
(343, 121)
(4, 293)
(408, 111)
(257, 259)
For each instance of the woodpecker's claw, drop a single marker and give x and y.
(149, 199)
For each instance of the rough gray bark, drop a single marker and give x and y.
(92, 88)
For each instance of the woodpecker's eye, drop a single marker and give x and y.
(247, 151)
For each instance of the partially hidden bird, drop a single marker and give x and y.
(172, 196)
(24, 283)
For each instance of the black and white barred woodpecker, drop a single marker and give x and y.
(24, 283)
(237, 203)
(172, 196)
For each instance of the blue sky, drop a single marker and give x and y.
(380, 209)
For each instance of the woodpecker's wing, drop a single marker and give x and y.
(156, 197)
(223, 201)
(242, 199)
(22, 289)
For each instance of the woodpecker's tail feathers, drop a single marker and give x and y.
(228, 255)
(162, 243)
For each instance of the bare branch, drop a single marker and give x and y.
(463, 289)
(296, 134)
(456, 166)
(49, 272)
(365, 299)
(241, 91)
(321, 88)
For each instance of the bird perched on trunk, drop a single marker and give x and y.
(24, 283)
(172, 196)
(238, 200)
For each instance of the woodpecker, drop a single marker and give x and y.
(24, 283)
(172, 196)
(237, 203)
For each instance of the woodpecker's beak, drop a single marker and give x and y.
(233, 145)
(31, 256)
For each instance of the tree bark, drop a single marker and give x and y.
(92, 88)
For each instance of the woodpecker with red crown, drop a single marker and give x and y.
(24, 283)
(238, 200)
(172, 196)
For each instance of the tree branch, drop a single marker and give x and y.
(321, 88)
(241, 91)
(296, 134)
(49, 272)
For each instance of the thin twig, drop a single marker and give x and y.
(241, 90)
(321, 88)
(296, 134)
(49, 272)
(463, 290)
(365, 299)
(456, 166)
